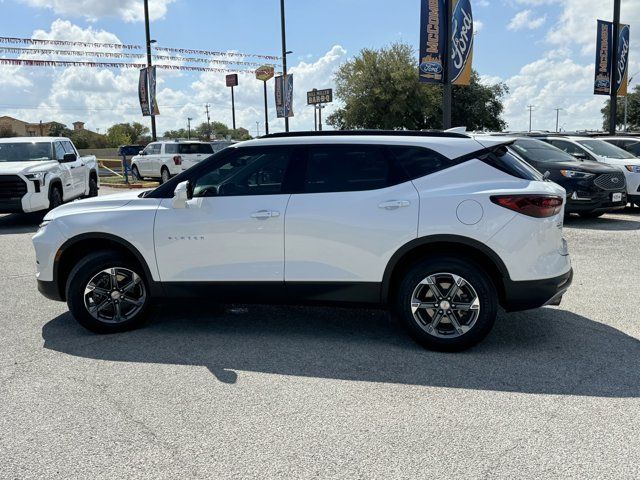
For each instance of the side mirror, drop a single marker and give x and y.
(182, 194)
(69, 157)
(580, 156)
(141, 152)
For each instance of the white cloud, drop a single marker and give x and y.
(128, 10)
(482, 3)
(526, 20)
(65, 30)
(478, 25)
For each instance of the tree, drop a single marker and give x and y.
(380, 90)
(125, 133)
(57, 129)
(633, 111)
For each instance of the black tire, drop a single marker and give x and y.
(84, 272)
(93, 186)
(135, 173)
(165, 176)
(55, 197)
(591, 214)
(448, 341)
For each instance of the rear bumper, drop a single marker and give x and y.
(535, 293)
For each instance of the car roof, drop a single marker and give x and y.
(451, 145)
(32, 139)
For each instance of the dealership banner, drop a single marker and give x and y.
(284, 96)
(461, 43)
(604, 55)
(152, 92)
(621, 68)
(433, 34)
(143, 92)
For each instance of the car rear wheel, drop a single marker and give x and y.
(135, 173)
(165, 176)
(108, 294)
(93, 187)
(447, 304)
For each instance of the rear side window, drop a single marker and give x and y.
(170, 148)
(194, 148)
(349, 168)
(509, 162)
(419, 161)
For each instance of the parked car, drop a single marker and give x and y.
(630, 144)
(593, 188)
(439, 227)
(585, 148)
(163, 160)
(219, 145)
(40, 173)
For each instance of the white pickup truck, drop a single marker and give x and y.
(41, 173)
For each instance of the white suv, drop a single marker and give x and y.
(163, 160)
(439, 227)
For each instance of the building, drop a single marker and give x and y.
(10, 126)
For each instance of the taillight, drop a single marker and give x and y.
(538, 206)
(177, 160)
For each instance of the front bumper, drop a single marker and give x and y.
(50, 290)
(531, 294)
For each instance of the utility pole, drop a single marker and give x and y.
(257, 129)
(148, 35)
(613, 104)
(315, 118)
(446, 87)
(284, 58)
(189, 128)
(208, 121)
(320, 107)
(530, 107)
(557, 119)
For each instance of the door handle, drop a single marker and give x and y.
(264, 214)
(394, 204)
(72, 168)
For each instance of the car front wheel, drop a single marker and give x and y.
(447, 304)
(108, 294)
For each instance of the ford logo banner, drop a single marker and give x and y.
(461, 43)
(433, 33)
(621, 68)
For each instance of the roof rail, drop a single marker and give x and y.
(385, 133)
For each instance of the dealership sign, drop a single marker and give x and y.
(609, 70)
(316, 97)
(265, 73)
(434, 29)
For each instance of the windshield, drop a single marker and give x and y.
(605, 149)
(538, 151)
(25, 152)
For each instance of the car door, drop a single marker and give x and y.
(233, 228)
(64, 172)
(79, 173)
(357, 208)
(155, 160)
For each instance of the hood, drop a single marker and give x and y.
(621, 161)
(586, 166)
(13, 168)
(106, 202)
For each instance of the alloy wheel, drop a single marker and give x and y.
(115, 295)
(445, 305)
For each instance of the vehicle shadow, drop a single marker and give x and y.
(20, 223)
(545, 351)
(602, 223)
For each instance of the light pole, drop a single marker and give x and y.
(530, 107)
(149, 42)
(613, 108)
(284, 58)
(189, 128)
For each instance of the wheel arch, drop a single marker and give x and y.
(439, 245)
(75, 248)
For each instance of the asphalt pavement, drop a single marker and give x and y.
(290, 392)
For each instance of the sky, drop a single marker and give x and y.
(544, 50)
